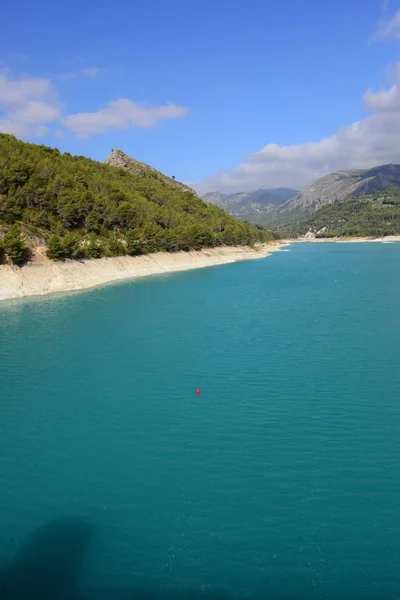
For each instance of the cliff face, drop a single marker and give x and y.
(117, 158)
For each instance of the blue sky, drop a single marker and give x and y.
(223, 94)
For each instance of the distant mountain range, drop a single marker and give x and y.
(250, 206)
(281, 206)
(334, 188)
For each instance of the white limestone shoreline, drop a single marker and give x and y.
(51, 277)
(349, 240)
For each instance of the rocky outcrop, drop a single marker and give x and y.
(117, 158)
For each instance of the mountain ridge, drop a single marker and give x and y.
(333, 188)
(250, 206)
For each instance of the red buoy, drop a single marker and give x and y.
(198, 391)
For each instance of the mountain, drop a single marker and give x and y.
(373, 215)
(334, 188)
(75, 207)
(117, 158)
(250, 206)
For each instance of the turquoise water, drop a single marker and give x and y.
(282, 478)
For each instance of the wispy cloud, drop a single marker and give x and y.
(27, 106)
(89, 72)
(371, 141)
(121, 114)
(21, 56)
(388, 28)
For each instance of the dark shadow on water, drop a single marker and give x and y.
(49, 567)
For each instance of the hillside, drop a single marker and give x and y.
(334, 188)
(80, 208)
(374, 215)
(117, 158)
(250, 206)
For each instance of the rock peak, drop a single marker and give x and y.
(118, 158)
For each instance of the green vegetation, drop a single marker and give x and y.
(81, 208)
(376, 215)
(14, 247)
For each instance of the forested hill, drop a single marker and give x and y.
(80, 208)
(376, 215)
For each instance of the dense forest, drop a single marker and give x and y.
(376, 215)
(79, 208)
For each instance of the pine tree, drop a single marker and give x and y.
(55, 248)
(15, 247)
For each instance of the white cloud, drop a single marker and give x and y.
(388, 28)
(27, 106)
(36, 112)
(15, 92)
(121, 114)
(385, 100)
(371, 141)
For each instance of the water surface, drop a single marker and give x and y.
(281, 478)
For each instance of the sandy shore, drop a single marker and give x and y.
(41, 279)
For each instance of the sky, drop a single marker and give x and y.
(221, 94)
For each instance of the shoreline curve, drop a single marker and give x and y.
(52, 277)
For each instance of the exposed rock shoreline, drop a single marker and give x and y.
(41, 279)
